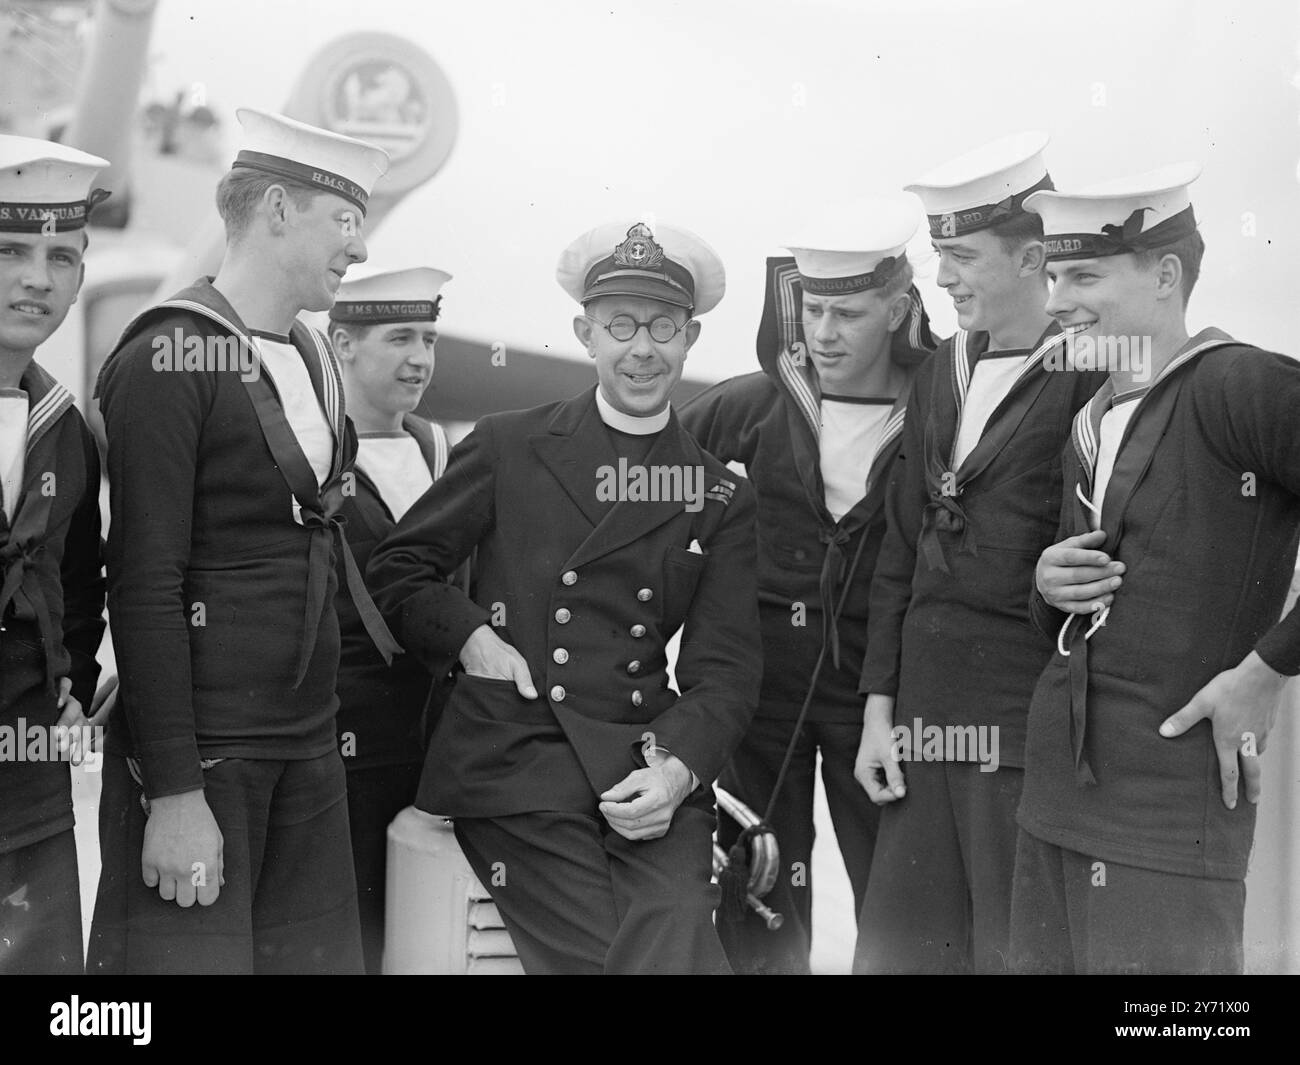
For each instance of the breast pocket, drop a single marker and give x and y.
(682, 570)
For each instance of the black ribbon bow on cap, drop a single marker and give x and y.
(1131, 228)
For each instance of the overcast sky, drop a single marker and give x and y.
(742, 119)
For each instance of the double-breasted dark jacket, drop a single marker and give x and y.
(590, 591)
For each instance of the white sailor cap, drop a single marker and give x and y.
(309, 155)
(1118, 217)
(630, 258)
(856, 246)
(984, 186)
(392, 296)
(43, 183)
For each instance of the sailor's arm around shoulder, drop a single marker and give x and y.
(721, 418)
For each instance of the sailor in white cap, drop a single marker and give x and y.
(383, 328)
(949, 648)
(579, 780)
(816, 427)
(1162, 598)
(228, 452)
(51, 573)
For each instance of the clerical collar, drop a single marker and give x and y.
(629, 423)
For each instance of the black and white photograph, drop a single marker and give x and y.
(751, 487)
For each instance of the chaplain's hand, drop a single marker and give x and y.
(877, 769)
(1241, 705)
(642, 804)
(486, 655)
(182, 850)
(1076, 576)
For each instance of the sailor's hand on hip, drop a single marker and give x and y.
(1241, 706)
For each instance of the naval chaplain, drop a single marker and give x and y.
(579, 781)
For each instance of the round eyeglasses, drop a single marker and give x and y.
(624, 327)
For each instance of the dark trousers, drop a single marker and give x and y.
(375, 797)
(939, 900)
(1071, 913)
(750, 777)
(40, 908)
(289, 902)
(577, 897)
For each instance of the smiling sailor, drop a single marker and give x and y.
(973, 499)
(224, 783)
(51, 573)
(383, 328)
(578, 779)
(1142, 764)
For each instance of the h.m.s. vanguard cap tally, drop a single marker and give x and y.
(1118, 217)
(630, 258)
(392, 296)
(46, 187)
(984, 186)
(308, 155)
(856, 246)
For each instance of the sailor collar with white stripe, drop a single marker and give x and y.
(630, 423)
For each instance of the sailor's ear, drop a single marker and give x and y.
(341, 341)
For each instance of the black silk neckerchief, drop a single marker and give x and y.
(319, 506)
(319, 509)
(943, 511)
(24, 540)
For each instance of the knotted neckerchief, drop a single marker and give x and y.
(1145, 428)
(780, 332)
(944, 484)
(23, 542)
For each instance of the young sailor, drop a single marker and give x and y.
(950, 651)
(383, 329)
(580, 781)
(51, 572)
(841, 335)
(1178, 534)
(227, 449)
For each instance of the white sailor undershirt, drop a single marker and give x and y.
(13, 446)
(851, 428)
(302, 408)
(990, 382)
(395, 464)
